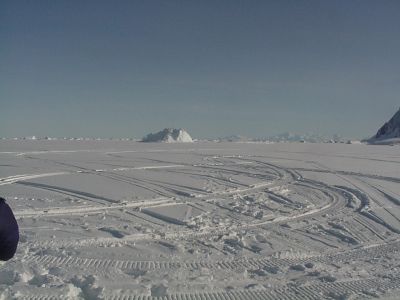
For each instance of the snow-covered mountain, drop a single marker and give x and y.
(169, 135)
(389, 132)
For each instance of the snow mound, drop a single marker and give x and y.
(389, 132)
(169, 135)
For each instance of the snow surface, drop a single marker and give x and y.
(169, 135)
(131, 220)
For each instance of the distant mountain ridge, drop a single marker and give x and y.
(169, 135)
(307, 137)
(286, 137)
(234, 138)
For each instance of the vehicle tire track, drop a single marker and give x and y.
(369, 252)
(361, 288)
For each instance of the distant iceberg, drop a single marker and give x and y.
(169, 135)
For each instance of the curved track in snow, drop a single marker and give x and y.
(247, 227)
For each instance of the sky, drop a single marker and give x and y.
(216, 68)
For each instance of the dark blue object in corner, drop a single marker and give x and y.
(9, 235)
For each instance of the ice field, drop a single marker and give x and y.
(207, 221)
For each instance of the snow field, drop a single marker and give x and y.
(128, 220)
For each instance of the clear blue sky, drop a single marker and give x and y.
(256, 68)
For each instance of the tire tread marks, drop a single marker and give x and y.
(310, 292)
